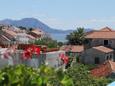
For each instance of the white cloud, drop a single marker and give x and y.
(97, 22)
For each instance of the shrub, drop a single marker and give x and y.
(21, 75)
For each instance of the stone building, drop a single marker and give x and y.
(97, 55)
(100, 46)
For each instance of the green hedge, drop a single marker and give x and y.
(22, 75)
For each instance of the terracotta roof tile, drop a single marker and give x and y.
(3, 38)
(65, 48)
(106, 29)
(103, 49)
(73, 48)
(103, 33)
(30, 36)
(77, 48)
(112, 65)
(10, 32)
(104, 69)
(38, 31)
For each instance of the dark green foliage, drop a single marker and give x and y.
(47, 41)
(77, 59)
(77, 37)
(23, 28)
(30, 29)
(21, 75)
(26, 76)
(1, 27)
(80, 75)
(60, 44)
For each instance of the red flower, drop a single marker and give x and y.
(61, 55)
(37, 50)
(64, 58)
(27, 54)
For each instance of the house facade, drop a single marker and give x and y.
(7, 37)
(37, 33)
(73, 50)
(100, 46)
(10, 35)
(97, 55)
(104, 37)
(23, 38)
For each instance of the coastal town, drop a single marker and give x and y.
(20, 45)
(57, 43)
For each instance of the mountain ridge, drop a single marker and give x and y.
(35, 23)
(32, 23)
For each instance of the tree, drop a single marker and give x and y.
(47, 41)
(22, 28)
(77, 37)
(21, 75)
(77, 75)
(30, 29)
(60, 44)
(81, 76)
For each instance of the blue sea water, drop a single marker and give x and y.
(60, 37)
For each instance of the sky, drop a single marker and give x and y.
(62, 14)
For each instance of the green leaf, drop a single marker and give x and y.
(67, 81)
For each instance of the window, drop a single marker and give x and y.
(105, 42)
(97, 60)
(107, 58)
(110, 57)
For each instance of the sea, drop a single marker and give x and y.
(60, 37)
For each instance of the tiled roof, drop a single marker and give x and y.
(12, 33)
(103, 33)
(106, 29)
(104, 69)
(11, 37)
(103, 49)
(38, 31)
(3, 38)
(30, 36)
(73, 48)
(112, 65)
(77, 48)
(65, 47)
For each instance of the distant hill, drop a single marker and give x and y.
(32, 23)
(35, 23)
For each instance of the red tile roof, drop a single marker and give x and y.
(106, 29)
(37, 31)
(12, 33)
(73, 48)
(103, 49)
(3, 38)
(77, 48)
(104, 69)
(30, 36)
(66, 47)
(112, 65)
(103, 33)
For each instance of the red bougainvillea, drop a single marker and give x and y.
(64, 58)
(27, 54)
